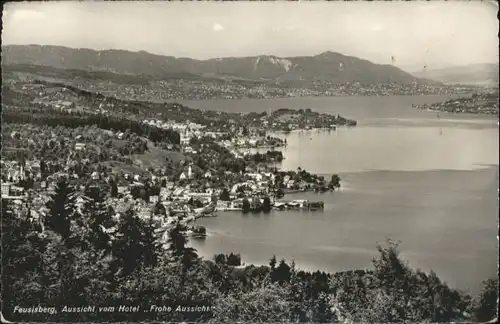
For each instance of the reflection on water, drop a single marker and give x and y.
(392, 148)
(446, 221)
(359, 108)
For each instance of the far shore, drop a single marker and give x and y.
(183, 101)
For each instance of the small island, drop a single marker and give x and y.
(286, 120)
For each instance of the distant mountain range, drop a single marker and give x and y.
(328, 66)
(479, 74)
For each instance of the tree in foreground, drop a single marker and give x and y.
(220, 258)
(21, 259)
(98, 218)
(487, 304)
(392, 292)
(296, 297)
(177, 247)
(62, 210)
(234, 259)
(262, 305)
(134, 246)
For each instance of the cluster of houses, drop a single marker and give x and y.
(478, 104)
(175, 195)
(14, 172)
(188, 130)
(172, 195)
(56, 97)
(183, 128)
(199, 90)
(243, 142)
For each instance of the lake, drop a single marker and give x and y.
(430, 182)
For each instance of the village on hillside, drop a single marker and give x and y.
(485, 103)
(249, 162)
(139, 88)
(194, 164)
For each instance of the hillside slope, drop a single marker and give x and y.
(468, 74)
(328, 66)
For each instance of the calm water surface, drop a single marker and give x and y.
(407, 174)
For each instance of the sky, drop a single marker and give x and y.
(410, 35)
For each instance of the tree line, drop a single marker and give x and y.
(267, 157)
(84, 256)
(108, 122)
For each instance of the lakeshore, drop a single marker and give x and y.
(170, 177)
(243, 163)
(478, 103)
(358, 216)
(416, 193)
(175, 172)
(195, 163)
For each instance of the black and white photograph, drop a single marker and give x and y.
(249, 161)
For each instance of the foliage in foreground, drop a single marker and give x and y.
(78, 261)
